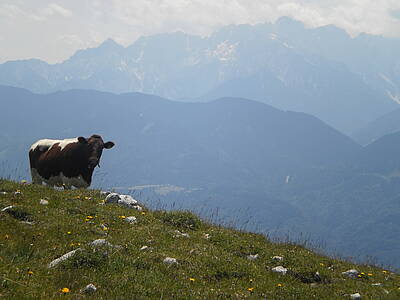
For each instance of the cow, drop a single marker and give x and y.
(66, 163)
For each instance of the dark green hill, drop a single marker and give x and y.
(213, 262)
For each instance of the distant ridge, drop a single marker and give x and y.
(320, 71)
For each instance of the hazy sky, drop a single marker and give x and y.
(54, 30)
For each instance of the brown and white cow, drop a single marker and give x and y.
(68, 162)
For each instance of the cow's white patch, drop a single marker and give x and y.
(60, 180)
(46, 144)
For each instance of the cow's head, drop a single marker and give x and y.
(95, 146)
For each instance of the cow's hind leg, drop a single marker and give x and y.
(36, 178)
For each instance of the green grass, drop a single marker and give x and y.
(32, 235)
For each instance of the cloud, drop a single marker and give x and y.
(55, 9)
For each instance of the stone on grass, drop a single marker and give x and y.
(100, 243)
(63, 258)
(280, 270)
(170, 261)
(355, 296)
(138, 207)
(44, 202)
(123, 200)
(131, 220)
(277, 258)
(353, 273)
(7, 208)
(112, 198)
(103, 242)
(252, 257)
(177, 233)
(144, 248)
(127, 201)
(89, 289)
(28, 222)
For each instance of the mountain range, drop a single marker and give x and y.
(245, 162)
(345, 81)
(386, 124)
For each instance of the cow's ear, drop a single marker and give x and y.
(82, 140)
(109, 145)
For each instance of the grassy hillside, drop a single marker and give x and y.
(212, 262)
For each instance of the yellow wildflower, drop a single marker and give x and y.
(370, 274)
(321, 264)
(143, 213)
(88, 198)
(191, 279)
(250, 289)
(30, 273)
(64, 290)
(122, 217)
(69, 232)
(89, 217)
(279, 285)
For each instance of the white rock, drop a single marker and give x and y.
(144, 248)
(127, 201)
(280, 270)
(63, 258)
(351, 273)
(90, 288)
(17, 193)
(103, 242)
(355, 296)
(28, 222)
(181, 234)
(131, 220)
(99, 243)
(138, 207)
(252, 257)
(170, 260)
(7, 208)
(277, 258)
(44, 202)
(112, 198)
(123, 200)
